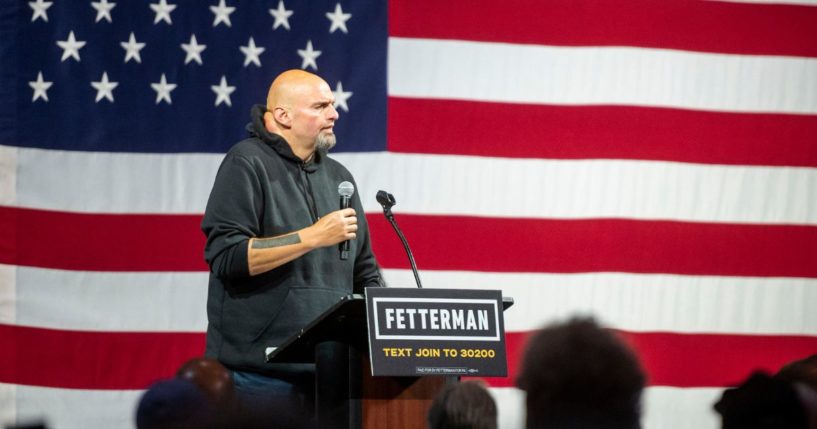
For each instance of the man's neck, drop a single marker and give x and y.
(309, 158)
(301, 150)
(306, 154)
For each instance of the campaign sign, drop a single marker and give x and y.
(417, 332)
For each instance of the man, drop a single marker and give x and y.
(272, 225)
(766, 402)
(212, 378)
(579, 375)
(465, 405)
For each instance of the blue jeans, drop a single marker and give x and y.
(287, 396)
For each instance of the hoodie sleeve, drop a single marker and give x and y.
(231, 218)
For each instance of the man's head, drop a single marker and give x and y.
(800, 371)
(211, 377)
(466, 405)
(300, 107)
(577, 374)
(173, 404)
(762, 402)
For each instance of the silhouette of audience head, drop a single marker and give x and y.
(800, 371)
(577, 374)
(466, 405)
(173, 404)
(762, 402)
(211, 377)
(802, 375)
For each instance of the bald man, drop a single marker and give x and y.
(272, 225)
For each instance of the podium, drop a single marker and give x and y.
(347, 396)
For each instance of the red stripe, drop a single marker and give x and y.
(597, 245)
(106, 360)
(707, 26)
(601, 132)
(92, 360)
(692, 360)
(104, 242)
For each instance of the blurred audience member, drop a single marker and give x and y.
(466, 405)
(173, 404)
(800, 371)
(579, 375)
(802, 374)
(762, 402)
(211, 377)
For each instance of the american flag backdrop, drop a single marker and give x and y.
(652, 163)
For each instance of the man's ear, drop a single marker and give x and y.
(281, 116)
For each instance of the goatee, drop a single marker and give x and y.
(325, 142)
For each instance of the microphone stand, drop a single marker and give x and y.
(387, 201)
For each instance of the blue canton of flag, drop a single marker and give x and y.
(180, 75)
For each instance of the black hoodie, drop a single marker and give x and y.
(263, 190)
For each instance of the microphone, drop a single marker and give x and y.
(387, 200)
(346, 190)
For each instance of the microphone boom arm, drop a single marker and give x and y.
(387, 201)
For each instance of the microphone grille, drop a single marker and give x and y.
(346, 189)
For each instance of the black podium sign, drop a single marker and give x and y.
(416, 332)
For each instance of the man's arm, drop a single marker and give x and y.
(265, 254)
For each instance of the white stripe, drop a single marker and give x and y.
(8, 294)
(535, 188)
(672, 407)
(69, 408)
(510, 403)
(8, 175)
(643, 302)
(663, 407)
(8, 404)
(501, 72)
(115, 182)
(102, 301)
(433, 184)
(176, 302)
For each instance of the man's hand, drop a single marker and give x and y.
(331, 229)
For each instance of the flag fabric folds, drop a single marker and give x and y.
(653, 164)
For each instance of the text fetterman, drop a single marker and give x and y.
(437, 319)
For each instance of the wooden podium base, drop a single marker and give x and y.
(349, 397)
(397, 402)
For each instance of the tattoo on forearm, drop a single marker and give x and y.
(284, 240)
